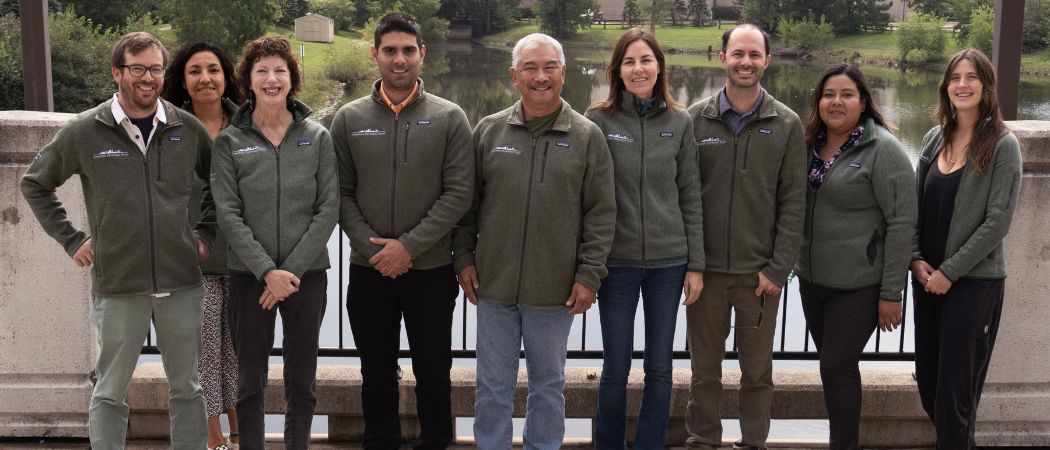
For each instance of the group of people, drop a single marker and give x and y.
(536, 214)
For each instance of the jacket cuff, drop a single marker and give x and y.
(461, 260)
(411, 245)
(891, 296)
(206, 234)
(589, 278)
(261, 274)
(73, 244)
(779, 279)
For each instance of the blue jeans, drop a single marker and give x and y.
(617, 302)
(501, 331)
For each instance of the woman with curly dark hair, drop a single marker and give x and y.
(200, 80)
(274, 182)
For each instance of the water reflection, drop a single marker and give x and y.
(476, 78)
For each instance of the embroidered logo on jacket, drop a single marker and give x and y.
(422, 122)
(855, 163)
(765, 130)
(711, 141)
(247, 150)
(619, 137)
(505, 149)
(369, 132)
(110, 153)
(564, 144)
(303, 142)
(666, 134)
(175, 138)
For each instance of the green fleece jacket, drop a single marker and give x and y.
(137, 204)
(216, 262)
(754, 189)
(544, 211)
(658, 205)
(276, 205)
(975, 247)
(407, 176)
(859, 223)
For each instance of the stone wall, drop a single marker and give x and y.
(47, 345)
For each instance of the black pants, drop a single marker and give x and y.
(954, 336)
(253, 330)
(376, 305)
(841, 323)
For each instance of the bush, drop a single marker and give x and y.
(341, 11)
(725, 13)
(80, 52)
(11, 89)
(350, 62)
(806, 32)
(435, 29)
(1035, 32)
(981, 30)
(921, 36)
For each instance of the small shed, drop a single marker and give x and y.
(314, 28)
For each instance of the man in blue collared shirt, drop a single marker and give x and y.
(753, 166)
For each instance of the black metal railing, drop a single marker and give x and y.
(791, 341)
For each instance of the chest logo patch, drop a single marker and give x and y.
(666, 134)
(422, 122)
(247, 150)
(303, 142)
(506, 149)
(765, 130)
(175, 138)
(110, 153)
(711, 141)
(563, 144)
(369, 132)
(616, 137)
(855, 163)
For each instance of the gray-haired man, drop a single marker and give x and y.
(531, 252)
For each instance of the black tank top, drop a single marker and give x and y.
(938, 203)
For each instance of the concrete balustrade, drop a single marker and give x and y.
(47, 344)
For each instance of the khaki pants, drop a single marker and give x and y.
(708, 326)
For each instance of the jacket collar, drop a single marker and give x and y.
(563, 123)
(228, 107)
(104, 113)
(627, 103)
(767, 110)
(243, 117)
(378, 98)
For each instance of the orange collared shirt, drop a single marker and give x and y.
(397, 108)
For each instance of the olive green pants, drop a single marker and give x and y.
(708, 326)
(121, 324)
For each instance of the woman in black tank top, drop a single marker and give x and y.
(967, 182)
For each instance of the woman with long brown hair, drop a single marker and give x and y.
(659, 247)
(959, 263)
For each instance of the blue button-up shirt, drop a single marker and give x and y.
(737, 121)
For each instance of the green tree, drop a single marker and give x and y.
(485, 16)
(1035, 33)
(806, 32)
(763, 13)
(656, 11)
(228, 24)
(561, 18)
(291, 10)
(981, 30)
(341, 11)
(860, 15)
(11, 90)
(921, 33)
(435, 28)
(679, 12)
(110, 13)
(698, 11)
(632, 15)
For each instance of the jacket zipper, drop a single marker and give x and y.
(160, 156)
(277, 158)
(641, 185)
(729, 213)
(747, 147)
(407, 123)
(149, 208)
(525, 230)
(543, 169)
(393, 181)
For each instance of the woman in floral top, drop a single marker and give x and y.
(856, 242)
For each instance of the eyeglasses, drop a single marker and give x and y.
(139, 70)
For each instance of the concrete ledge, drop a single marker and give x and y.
(890, 401)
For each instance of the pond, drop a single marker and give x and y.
(475, 77)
